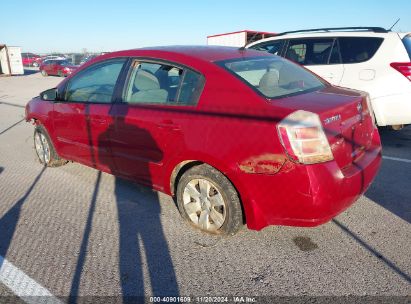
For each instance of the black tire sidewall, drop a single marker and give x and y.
(55, 160)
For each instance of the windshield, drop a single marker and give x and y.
(407, 43)
(273, 76)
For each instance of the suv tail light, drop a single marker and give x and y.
(403, 67)
(303, 138)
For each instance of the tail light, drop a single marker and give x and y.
(303, 138)
(403, 67)
(370, 110)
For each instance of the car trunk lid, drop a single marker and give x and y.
(345, 117)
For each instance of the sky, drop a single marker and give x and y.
(45, 26)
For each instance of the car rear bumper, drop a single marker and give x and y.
(307, 195)
(392, 109)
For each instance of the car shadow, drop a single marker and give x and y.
(27, 72)
(388, 189)
(31, 71)
(9, 221)
(139, 220)
(142, 244)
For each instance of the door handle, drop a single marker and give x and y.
(168, 124)
(100, 121)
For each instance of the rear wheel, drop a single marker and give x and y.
(208, 201)
(44, 148)
(44, 73)
(35, 64)
(60, 74)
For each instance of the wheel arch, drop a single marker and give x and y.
(185, 165)
(179, 170)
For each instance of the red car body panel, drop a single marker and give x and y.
(232, 129)
(29, 60)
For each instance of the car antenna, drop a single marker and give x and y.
(394, 24)
(242, 48)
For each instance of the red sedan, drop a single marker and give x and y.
(60, 68)
(234, 135)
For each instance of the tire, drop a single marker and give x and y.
(208, 201)
(397, 127)
(44, 73)
(35, 64)
(44, 148)
(60, 74)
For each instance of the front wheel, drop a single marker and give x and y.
(44, 148)
(208, 201)
(44, 73)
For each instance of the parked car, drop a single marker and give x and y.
(61, 68)
(372, 59)
(30, 59)
(50, 57)
(232, 134)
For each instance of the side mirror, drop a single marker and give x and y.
(49, 95)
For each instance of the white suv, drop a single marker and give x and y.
(371, 59)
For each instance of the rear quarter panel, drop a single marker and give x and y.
(232, 129)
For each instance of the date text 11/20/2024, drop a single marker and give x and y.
(207, 299)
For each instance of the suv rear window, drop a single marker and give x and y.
(407, 43)
(273, 77)
(358, 49)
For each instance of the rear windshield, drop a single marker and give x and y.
(358, 49)
(407, 43)
(273, 76)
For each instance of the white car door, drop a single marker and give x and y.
(356, 52)
(333, 73)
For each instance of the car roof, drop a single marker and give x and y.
(204, 53)
(330, 34)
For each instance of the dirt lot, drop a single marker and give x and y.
(67, 231)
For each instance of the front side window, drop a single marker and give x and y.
(96, 83)
(273, 76)
(310, 51)
(158, 83)
(358, 49)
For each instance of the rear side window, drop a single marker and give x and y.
(358, 49)
(157, 83)
(273, 76)
(407, 43)
(272, 47)
(310, 51)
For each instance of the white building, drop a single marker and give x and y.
(11, 62)
(238, 39)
